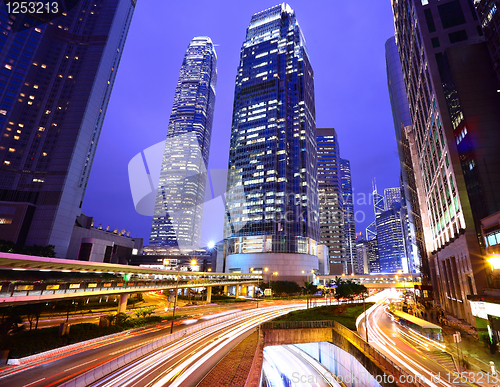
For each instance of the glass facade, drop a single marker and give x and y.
(452, 94)
(419, 62)
(490, 24)
(391, 197)
(331, 199)
(410, 207)
(349, 224)
(178, 211)
(55, 83)
(272, 194)
(391, 244)
(373, 256)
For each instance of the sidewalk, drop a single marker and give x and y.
(476, 354)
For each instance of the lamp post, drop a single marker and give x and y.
(266, 269)
(176, 293)
(366, 318)
(258, 285)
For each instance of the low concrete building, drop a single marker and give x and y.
(98, 245)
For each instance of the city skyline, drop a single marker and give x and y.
(135, 124)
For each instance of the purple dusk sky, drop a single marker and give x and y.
(345, 41)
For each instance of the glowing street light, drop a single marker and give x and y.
(494, 261)
(211, 244)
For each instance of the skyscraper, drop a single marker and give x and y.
(490, 23)
(362, 256)
(331, 199)
(55, 84)
(390, 240)
(373, 256)
(272, 195)
(378, 208)
(178, 212)
(413, 228)
(391, 197)
(349, 225)
(453, 99)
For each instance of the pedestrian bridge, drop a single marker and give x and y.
(375, 281)
(127, 280)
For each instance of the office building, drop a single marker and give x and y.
(390, 239)
(412, 226)
(362, 256)
(331, 200)
(452, 90)
(373, 256)
(178, 211)
(55, 84)
(391, 197)
(489, 18)
(349, 224)
(378, 208)
(272, 196)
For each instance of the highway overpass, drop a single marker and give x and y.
(129, 279)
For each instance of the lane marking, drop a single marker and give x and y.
(79, 365)
(34, 382)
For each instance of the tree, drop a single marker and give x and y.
(111, 318)
(120, 318)
(285, 287)
(349, 289)
(42, 251)
(309, 288)
(11, 322)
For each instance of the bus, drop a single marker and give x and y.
(425, 328)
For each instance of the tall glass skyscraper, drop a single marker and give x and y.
(272, 195)
(391, 197)
(390, 240)
(349, 225)
(178, 211)
(331, 200)
(55, 83)
(410, 207)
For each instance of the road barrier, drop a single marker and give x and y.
(99, 372)
(375, 356)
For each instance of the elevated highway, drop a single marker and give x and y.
(129, 279)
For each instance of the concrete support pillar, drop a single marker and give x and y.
(237, 291)
(122, 305)
(253, 291)
(209, 294)
(225, 290)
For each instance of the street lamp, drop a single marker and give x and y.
(494, 261)
(176, 294)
